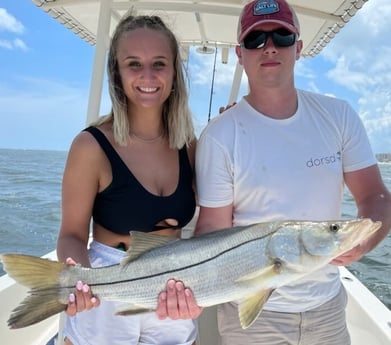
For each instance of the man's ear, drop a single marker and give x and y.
(299, 48)
(238, 51)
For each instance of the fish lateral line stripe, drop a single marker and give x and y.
(177, 269)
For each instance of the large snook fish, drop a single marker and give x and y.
(242, 263)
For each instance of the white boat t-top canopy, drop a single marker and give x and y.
(205, 24)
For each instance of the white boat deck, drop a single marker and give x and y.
(369, 320)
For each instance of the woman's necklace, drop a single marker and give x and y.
(145, 140)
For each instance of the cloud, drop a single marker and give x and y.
(17, 43)
(9, 23)
(6, 44)
(361, 50)
(359, 60)
(344, 73)
(302, 69)
(375, 111)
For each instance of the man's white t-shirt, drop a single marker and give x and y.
(293, 168)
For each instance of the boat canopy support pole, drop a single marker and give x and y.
(102, 44)
(236, 83)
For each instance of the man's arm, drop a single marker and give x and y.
(373, 201)
(213, 218)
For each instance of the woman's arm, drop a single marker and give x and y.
(79, 187)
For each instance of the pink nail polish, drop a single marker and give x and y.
(72, 298)
(79, 285)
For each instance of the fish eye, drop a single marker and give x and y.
(334, 227)
(277, 265)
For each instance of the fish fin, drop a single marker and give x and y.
(36, 308)
(250, 308)
(41, 276)
(32, 271)
(143, 242)
(131, 309)
(260, 276)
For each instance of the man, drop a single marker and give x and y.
(283, 153)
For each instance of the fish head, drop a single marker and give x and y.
(332, 238)
(297, 244)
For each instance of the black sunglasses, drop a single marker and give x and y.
(280, 37)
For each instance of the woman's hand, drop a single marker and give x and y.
(177, 302)
(82, 299)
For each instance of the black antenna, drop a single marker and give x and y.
(211, 88)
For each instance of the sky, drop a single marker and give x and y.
(45, 75)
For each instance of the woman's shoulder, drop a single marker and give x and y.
(83, 141)
(86, 146)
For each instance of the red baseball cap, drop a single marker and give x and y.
(267, 11)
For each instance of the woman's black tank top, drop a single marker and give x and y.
(126, 205)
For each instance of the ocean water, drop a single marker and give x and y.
(30, 200)
(30, 213)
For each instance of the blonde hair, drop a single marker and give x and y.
(177, 119)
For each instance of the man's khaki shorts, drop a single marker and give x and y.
(324, 325)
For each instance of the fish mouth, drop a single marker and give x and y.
(369, 225)
(360, 230)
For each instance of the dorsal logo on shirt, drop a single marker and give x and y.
(317, 162)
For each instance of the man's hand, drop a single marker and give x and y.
(222, 109)
(350, 256)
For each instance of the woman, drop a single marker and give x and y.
(132, 170)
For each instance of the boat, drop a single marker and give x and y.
(210, 26)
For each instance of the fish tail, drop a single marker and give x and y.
(41, 276)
